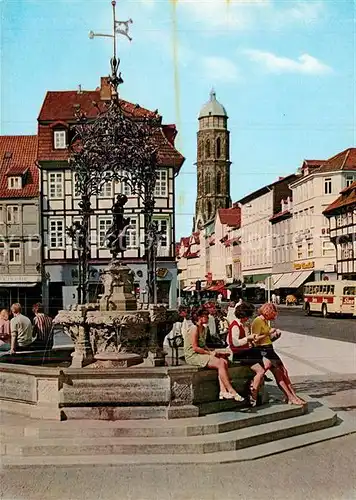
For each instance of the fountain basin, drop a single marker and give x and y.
(115, 394)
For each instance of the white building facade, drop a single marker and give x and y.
(257, 243)
(313, 191)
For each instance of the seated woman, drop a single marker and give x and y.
(241, 345)
(264, 336)
(198, 354)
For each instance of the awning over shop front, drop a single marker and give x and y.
(215, 288)
(290, 280)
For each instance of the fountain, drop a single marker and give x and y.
(118, 369)
(112, 332)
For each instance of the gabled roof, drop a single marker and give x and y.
(59, 108)
(347, 198)
(17, 157)
(230, 216)
(346, 160)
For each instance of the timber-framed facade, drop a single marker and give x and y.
(342, 219)
(60, 205)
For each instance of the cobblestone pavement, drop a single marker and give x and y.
(337, 328)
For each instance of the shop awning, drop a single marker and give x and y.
(299, 280)
(275, 279)
(291, 280)
(215, 288)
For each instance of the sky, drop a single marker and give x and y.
(283, 69)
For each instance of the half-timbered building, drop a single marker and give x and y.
(60, 203)
(342, 219)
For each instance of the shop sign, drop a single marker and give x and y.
(304, 265)
(18, 279)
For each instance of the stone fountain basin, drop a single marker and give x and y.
(114, 394)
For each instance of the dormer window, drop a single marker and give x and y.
(60, 139)
(14, 182)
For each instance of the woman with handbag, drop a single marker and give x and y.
(240, 342)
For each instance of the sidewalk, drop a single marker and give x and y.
(308, 356)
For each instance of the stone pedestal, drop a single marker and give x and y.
(118, 286)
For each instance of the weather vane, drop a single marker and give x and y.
(119, 28)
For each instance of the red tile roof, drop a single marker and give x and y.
(17, 170)
(346, 199)
(346, 160)
(59, 107)
(185, 241)
(230, 216)
(24, 153)
(313, 163)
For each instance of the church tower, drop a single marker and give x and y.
(213, 162)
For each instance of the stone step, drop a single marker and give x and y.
(342, 428)
(319, 418)
(211, 424)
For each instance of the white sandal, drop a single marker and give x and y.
(225, 395)
(237, 397)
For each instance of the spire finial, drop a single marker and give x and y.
(119, 28)
(212, 94)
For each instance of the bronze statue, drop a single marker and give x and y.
(116, 235)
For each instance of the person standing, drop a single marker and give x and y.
(5, 335)
(42, 328)
(21, 330)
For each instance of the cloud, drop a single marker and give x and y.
(220, 69)
(305, 63)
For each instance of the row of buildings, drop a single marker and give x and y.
(292, 230)
(301, 227)
(38, 202)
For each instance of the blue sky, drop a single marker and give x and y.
(284, 70)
